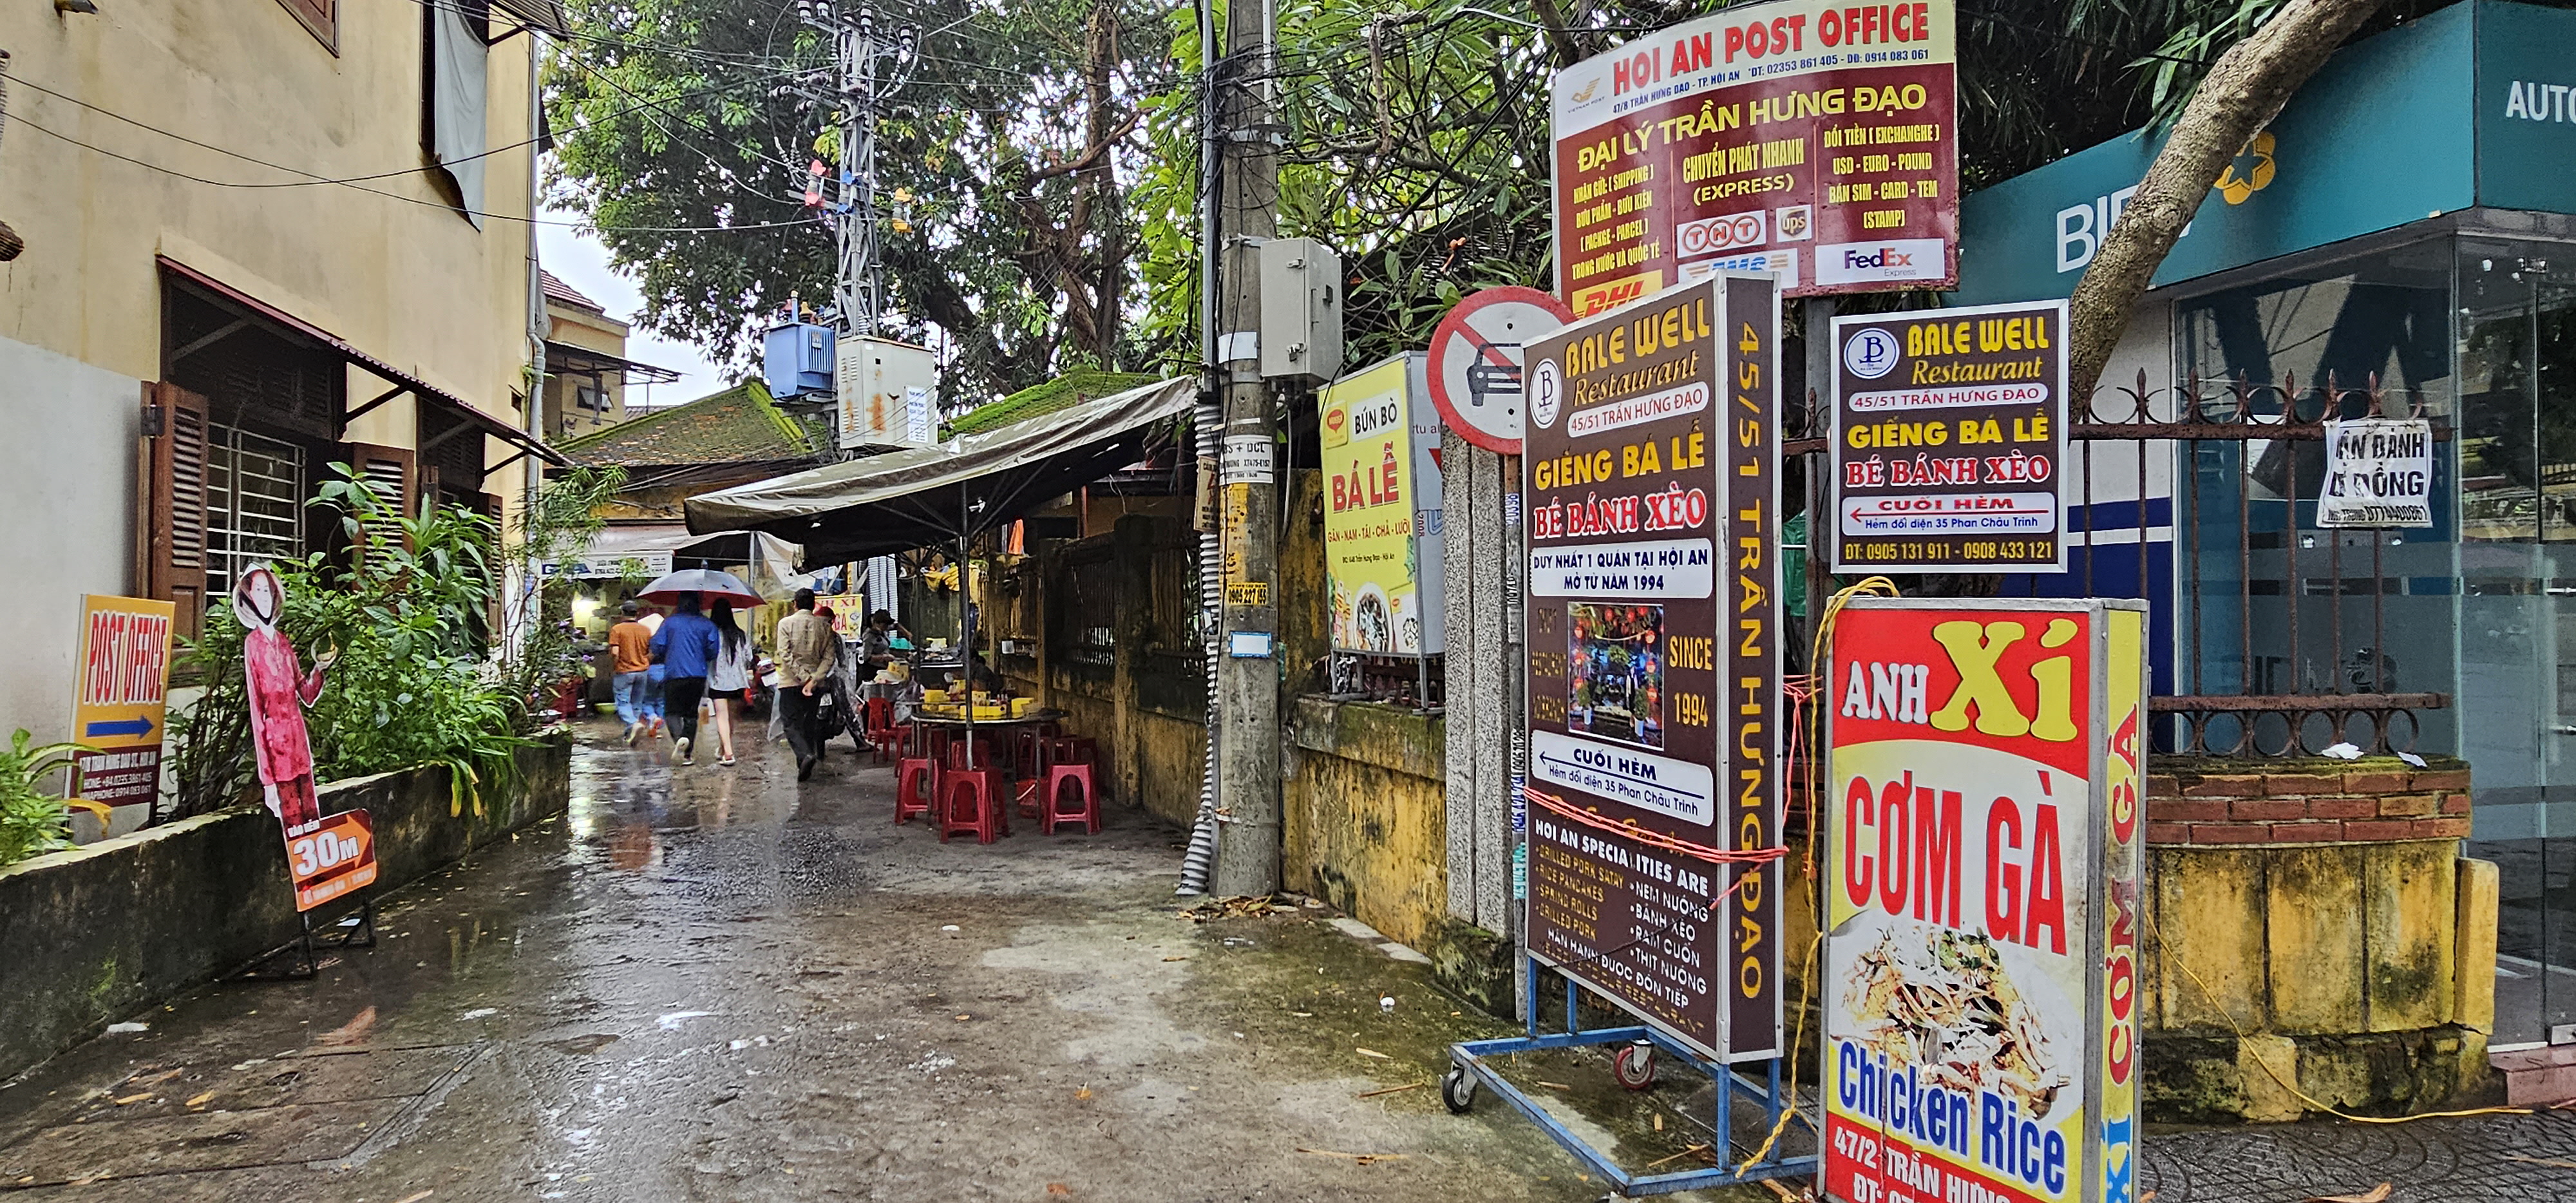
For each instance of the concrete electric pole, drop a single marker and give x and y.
(1247, 854)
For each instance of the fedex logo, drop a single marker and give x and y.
(1892, 259)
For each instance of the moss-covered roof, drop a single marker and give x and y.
(738, 425)
(1072, 388)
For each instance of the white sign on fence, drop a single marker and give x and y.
(2379, 473)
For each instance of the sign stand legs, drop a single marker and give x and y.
(356, 930)
(1473, 1070)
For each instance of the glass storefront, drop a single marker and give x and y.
(2516, 354)
(2478, 334)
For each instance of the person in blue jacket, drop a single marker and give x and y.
(685, 646)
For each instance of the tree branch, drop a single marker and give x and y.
(2243, 92)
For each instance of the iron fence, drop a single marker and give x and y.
(2191, 497)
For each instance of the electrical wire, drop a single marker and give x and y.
(21, 120)
(317, 180)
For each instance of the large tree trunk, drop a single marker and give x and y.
(2244, 90)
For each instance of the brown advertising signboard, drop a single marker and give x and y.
(1653, 468)
(1949, 434)
(1807, 138)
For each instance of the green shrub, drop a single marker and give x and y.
(31, 823)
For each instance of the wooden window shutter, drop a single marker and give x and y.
(394, 471)
(170, 503)
(320, 17)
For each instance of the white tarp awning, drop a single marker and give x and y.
(932, 496)
(650, 549)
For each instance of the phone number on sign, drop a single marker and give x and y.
(2000, 551)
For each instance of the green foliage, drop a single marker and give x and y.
(31, 822)
(706, 112)
(1072, 388)
(407, 616)
(557, 524)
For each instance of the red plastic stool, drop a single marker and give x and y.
(955, 757)
(916, 788)
(935, 744)
(1086, 808)
(967, 807)
(1075, 749)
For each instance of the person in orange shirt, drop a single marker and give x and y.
(630, 640)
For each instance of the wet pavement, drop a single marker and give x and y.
(706, 983)
(711, 984)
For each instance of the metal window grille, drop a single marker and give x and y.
(2248, 593)
(255, 491)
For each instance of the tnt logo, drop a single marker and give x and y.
(1886, 256)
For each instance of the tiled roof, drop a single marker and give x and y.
(738, 425)
(557, 290)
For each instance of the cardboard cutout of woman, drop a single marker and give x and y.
(279, 691)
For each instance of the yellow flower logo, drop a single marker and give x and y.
(2250, 172)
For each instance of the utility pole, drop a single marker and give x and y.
(857, 288)
(1247, 857)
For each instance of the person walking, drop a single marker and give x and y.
(631, 642)
(728, 676)
(807, 648)
(649, 702)
(686, 645)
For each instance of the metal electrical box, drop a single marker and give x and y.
(796, 359)
(1301, 310)
(888, 393)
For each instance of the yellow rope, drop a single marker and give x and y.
(2164, 954)
(1876, 586)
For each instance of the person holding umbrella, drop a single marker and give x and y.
(688, 645)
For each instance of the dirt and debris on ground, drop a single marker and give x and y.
(708, 983)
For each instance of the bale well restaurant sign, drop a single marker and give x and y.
(1807, 138)
(1983, 880)
(1652, 462)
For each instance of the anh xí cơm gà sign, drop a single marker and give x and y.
(1982, 883)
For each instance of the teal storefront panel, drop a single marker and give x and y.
(2384, 135)
(2527, 108)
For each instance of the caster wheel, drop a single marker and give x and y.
(1634, 1066)
(1457, 1091)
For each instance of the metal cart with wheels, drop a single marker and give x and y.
(1636, 1066)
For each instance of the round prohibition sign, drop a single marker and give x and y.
(1476, 362)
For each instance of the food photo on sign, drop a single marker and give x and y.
(1982, 871)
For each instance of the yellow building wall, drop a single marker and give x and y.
(404, 276)
(590, 332)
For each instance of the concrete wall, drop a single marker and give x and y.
(69, 467)
(2314, 931)
(1366, 816)
(405, 277)
(93, 933)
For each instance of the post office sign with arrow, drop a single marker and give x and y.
(120, 698)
